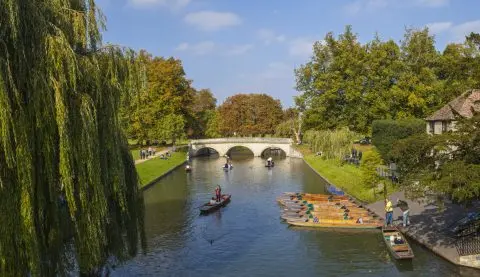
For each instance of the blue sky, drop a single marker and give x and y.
(248, 46)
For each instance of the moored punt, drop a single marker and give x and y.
(333, 216)
(316, 201)
(326, 209)
(335, 224)
(207, 207)
(314, 195)
(399, 249)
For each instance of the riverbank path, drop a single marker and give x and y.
(157, 154)
(429, 223)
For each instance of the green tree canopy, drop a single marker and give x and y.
(67, 180)
(386, 132)
(347, 84)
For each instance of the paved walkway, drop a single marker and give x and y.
(157, 154)
(428, 223)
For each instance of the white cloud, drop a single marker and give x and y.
(212, 21)
(239, 49)
(358, 6)
(438, 27)
(201, 48)
(173, 4)
(268, 36)
(458, 32)
(302, 47)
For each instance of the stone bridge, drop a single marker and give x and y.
(256, 145)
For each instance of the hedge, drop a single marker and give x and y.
(386, 132)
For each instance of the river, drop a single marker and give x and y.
(247, 237)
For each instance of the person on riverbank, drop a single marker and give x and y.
(403, 205)
(388, 212)
(218, 193)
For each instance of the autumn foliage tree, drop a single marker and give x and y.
(249, 114)
(167, 95)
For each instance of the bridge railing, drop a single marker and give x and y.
(242, 140)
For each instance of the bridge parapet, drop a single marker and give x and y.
(242, 140)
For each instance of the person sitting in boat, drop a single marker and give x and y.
(218, 193)
(230, 166)
(398, 240)
(226, 165)
(212, 201)
(187, 167)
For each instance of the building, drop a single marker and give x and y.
(444, 119)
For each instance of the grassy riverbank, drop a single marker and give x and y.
(346, 177)
(154, 168)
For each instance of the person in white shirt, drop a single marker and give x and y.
(212, 201)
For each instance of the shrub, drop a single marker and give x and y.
(386, 132)
(333, 144)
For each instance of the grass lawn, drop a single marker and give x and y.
(347, 177)
(152, 169)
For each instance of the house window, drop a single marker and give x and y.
(432, 127)
(444, 126)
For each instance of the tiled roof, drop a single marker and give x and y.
(462, 105)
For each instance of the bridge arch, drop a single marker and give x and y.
(228, 152)
(206, 151)
(281, 151)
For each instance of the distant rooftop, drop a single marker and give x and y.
(461, 105)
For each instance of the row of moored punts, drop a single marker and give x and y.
(339, 211)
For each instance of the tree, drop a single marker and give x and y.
(167, 92)
(370, 162)
(417, 88)
(448, 164)
(291, 125)
(202, 107)
(249, 114)
(386, 132)
(347, 84)
(333, 144)
(212, 129)
(64, 159)
(170, 127)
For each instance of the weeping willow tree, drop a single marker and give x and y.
(333, 144)
(68, 185)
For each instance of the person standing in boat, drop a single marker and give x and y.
(218, 193)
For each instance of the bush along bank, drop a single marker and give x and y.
(347, 177)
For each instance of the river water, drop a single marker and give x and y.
(247, 237)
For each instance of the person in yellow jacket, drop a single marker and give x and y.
(388, 212)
